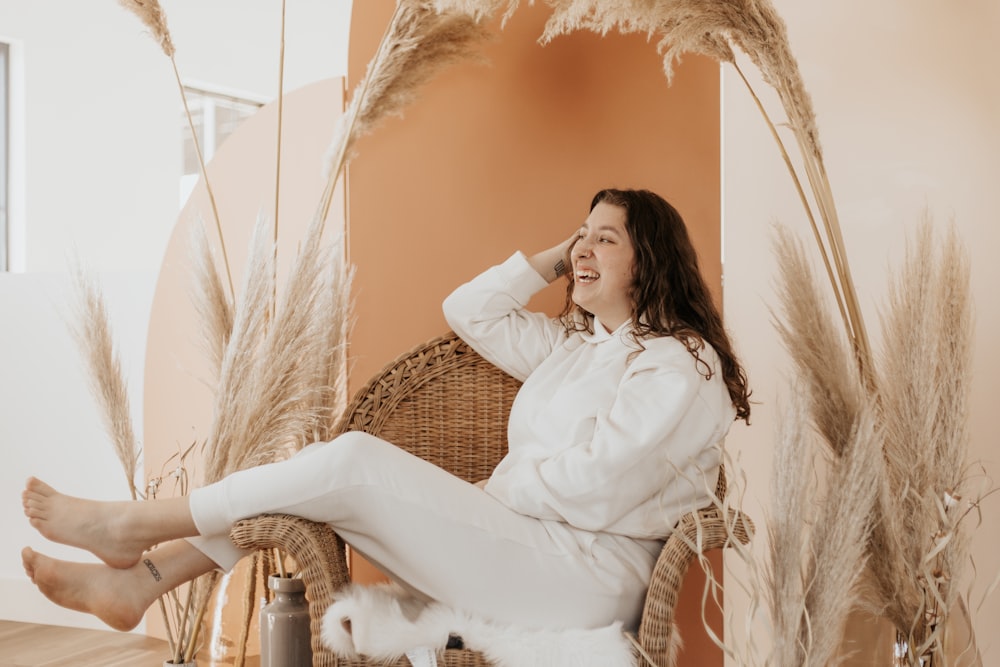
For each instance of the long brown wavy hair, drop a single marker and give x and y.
(669, 295)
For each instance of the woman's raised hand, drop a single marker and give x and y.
(555, 261)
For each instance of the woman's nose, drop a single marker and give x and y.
(582, 248)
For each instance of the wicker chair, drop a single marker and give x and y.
(441, 393)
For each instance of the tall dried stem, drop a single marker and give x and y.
(281, 114)
(201, 591)
(153, 17)
(797, 182)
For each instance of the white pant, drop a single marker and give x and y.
(437, 534)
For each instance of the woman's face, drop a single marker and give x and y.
(603, 263)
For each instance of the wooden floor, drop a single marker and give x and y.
(30, 645)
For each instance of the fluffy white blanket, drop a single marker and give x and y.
(383, 622)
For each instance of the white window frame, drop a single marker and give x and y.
(12, 156)
(4, 151)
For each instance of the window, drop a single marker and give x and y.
(215, 116)
(4, 153)
(12, 158)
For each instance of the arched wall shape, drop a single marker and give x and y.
(505, 156)
(177, 394)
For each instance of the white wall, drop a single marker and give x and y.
(103, 139)
(907, 100)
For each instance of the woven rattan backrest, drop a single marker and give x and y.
(442, 402)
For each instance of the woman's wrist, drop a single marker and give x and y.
(553, 262)
(548, 264)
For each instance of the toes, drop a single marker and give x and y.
(33, 485)
(28, 561)
(37, 485)
(32, 510)
(36, 488)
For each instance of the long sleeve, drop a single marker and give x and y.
(489, 314)
(642, 460)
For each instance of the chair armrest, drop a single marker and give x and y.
(318, 551)
(697, 532)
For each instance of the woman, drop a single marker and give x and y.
(613, 436)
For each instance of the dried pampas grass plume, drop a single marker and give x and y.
(418, 43)
(792, 480)
(706, 28)
(810, 605)
(479, 9)
(277, 367)
(839, 540)
(335, 320)
(211, 300)
(924, 386)
(153, 17)
(683, 26)
(816, 346)
(243, 425)
(421, 43)
(93, 333)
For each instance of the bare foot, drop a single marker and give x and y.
(99, 527)
(110, 594)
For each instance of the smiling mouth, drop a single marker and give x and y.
(586, 276)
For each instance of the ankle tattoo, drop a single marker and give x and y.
(152, 569)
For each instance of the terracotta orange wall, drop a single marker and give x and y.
(506, 156)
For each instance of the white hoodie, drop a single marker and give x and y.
(603, 435)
